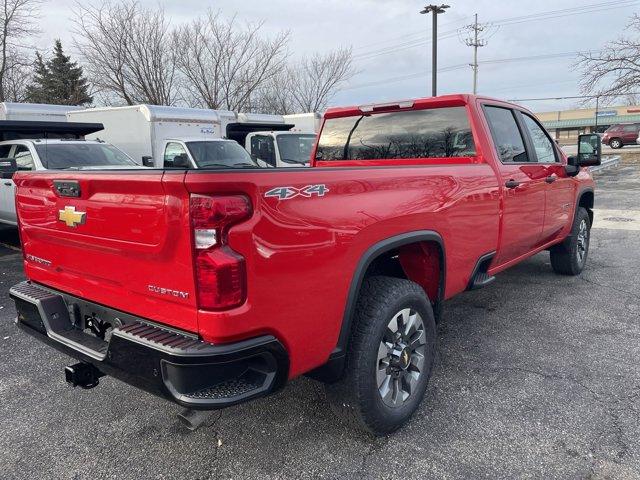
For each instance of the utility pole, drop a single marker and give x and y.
(434, 10)
(475, 42)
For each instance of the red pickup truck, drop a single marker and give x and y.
(213, 287)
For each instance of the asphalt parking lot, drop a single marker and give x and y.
(537, 376)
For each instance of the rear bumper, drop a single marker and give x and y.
(170, 363)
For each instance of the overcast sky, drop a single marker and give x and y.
(389, 40)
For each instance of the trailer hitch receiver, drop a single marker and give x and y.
(83, 375)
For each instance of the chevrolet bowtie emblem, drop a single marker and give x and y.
(71, 217)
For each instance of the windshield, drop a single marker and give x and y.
(296, 148)
(220, 154)
(57, 156)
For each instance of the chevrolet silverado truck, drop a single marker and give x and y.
(211, 287)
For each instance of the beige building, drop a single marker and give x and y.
(566, 125)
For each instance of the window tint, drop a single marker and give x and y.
(506, 134)
(79, 154)
(262, 148)
(5, 150)
(173, 150)
(431, 133)
(221, 153)
(295, 148)
(630, 128)
(24, 159)
(541, 142)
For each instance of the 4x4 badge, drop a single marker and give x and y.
(287, 193)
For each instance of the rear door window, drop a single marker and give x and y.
(430, 133)
(24, 159)
(173, 150)
(506, 135)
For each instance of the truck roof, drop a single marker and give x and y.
(458, 99)
(156, 113)
(12, 108)
(52, 141)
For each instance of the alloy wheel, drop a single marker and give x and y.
(401, 357)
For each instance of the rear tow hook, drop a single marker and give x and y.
(83, 375)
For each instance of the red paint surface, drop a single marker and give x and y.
(301, 253)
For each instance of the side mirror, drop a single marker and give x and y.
(8, 167)
(147, 161)
(589, 150)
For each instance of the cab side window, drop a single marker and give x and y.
(24, 159)
(175, 156)
(506, 135)
(541, 142)
(263, 149)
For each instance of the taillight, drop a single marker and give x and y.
(220, 271)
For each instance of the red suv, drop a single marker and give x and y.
(617, 136)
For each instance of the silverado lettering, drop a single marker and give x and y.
(429, 198)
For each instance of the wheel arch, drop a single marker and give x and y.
(586, 199)
(402, 243)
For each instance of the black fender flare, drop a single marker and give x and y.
(332, 370)
(579, 199)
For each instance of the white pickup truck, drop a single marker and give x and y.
(58, 154)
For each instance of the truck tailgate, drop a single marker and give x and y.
(123, 240)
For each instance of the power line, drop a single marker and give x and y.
(476, 42)
(573, 97)
(463, 65)
(548, 15)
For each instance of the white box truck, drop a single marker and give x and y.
(173, 137)
(142, 131)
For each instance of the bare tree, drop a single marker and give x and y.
(18, 73)
(615, 70)
(224, 62)
(17, 23)
(310, 85)
(127, 52)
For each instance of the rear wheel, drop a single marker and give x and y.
(390, 357)
(615, 143)
(570, 256)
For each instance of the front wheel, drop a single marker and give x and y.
(390, 356)
(570, 256)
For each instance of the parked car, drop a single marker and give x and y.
(617, 136)
(173, 280)
(58, 154)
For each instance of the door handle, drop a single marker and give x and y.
(550, 179)
(511, 183)
(8, 184)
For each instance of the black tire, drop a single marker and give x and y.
(615, 143)
(357, 397)
(570, 256)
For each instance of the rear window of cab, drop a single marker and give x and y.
(429, 133)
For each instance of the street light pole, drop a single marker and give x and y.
(434, 10)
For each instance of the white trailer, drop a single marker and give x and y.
(35, 112)
(142, 131)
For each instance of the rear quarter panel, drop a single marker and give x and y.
(302, 252)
